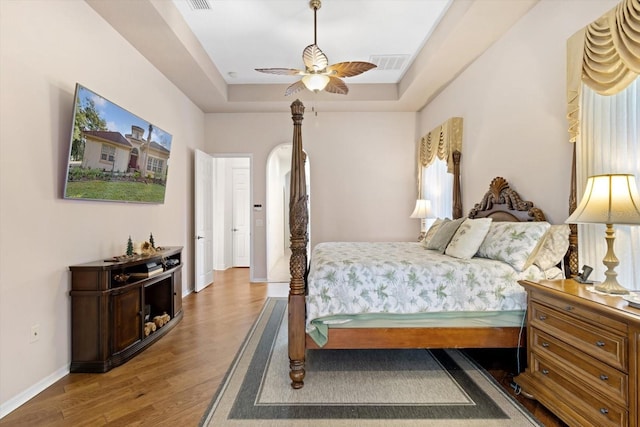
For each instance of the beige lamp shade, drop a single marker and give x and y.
(422, 209)
(608, 199)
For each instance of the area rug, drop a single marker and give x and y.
(345, 388)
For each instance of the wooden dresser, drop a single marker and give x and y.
(582, 354)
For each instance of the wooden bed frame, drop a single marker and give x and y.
(500, 203)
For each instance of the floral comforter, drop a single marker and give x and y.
(402, 277)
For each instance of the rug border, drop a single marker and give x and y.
(269, 305)
(227, 376)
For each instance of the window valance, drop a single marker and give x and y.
(441, 142)
(604, 55)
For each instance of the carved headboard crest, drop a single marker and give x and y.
(501, 194)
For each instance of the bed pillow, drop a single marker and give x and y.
(432, 230)
(553, 247)
(468, 238)
(443, 235)
(512, 242)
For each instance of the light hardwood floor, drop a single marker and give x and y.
(172, 382)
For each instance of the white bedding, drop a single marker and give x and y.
(347, 278)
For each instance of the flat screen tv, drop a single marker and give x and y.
(114, 155)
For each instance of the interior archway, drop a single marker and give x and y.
(277, 215)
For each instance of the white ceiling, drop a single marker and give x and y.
(211, 54)
(241, 35)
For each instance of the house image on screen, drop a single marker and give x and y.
(112, 152)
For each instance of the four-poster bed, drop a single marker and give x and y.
(500, 203)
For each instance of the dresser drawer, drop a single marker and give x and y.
(600, 376)
(601, 344)
(581, 311)
(585, 404)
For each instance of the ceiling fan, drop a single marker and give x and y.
(318, 75)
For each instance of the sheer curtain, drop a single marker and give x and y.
(437, 186)
(439, 154)
(609, 142)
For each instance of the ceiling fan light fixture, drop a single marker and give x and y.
(315, 82)
(318, 75)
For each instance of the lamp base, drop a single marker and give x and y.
(610, 284)
(611, 287)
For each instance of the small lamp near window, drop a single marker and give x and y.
(609, 199)
(422, 211)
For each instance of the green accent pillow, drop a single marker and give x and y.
(432, 230)
(443, 235)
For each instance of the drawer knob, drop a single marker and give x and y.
(604, 377)
(545, 344)
(545, 371)
(568, 308)
(604, 411)
(543, 317)
(600, 344)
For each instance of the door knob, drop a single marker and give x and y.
(199, 237)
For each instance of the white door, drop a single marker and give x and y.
(203, 183)
(241, 217)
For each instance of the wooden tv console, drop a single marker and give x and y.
(108, 315)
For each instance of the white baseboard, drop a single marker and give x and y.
(15, 402)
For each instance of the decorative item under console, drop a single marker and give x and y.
(114, 305)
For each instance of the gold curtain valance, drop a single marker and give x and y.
(441, 142)
(605, 55)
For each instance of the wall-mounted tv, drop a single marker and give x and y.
(114, 155)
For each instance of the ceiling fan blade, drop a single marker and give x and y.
(294, 88)
(336, 85)
(314, 59)
(281, 71)
(350, 69)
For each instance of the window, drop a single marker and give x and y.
(437, 186)
(609, 143)
(155, 165)
(108, 153)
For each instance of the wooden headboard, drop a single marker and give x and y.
(504, 204)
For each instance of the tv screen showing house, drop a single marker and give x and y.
(114, 155)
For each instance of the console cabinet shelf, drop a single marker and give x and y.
(111, 300)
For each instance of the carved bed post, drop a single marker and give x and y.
(298, 220)
(571, 259)
(457, 194)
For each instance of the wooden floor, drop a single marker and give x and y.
(172, 382)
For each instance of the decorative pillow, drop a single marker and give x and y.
(432, 230)
(512, 242)
(443, 235)
(553, 247)
(468, 238)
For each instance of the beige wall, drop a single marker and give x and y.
(45, 48)
(362, 164)
(362, 171)
(513, 103)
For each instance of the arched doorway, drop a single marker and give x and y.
(277, 215)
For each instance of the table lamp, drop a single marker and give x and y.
(422, 211)
(609, 199)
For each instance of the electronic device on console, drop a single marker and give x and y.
(583, 276)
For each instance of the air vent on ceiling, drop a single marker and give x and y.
(199, 4)
(389, 62)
